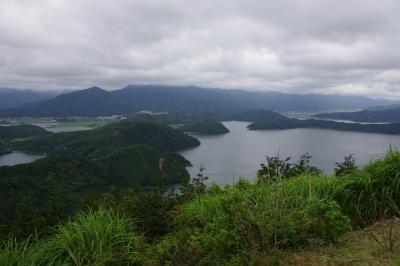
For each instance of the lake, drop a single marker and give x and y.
(18, 158)
(239, 153)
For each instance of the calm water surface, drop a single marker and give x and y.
(239, 153)
(18, 158)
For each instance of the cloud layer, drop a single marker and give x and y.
(322, 46)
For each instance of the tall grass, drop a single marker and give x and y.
(24, 253)
(91, 238)
(234, 223)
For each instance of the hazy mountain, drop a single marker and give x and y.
(10, 98)
(388, 115)
(259, 115)
(95, 101)
(382, 108)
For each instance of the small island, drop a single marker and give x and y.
(205, 128)
(393, 128)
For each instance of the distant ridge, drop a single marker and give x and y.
(10, 98)
(196, 100)
(386, 115)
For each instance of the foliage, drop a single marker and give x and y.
(346, 167)
(277, 168)
(236, 223)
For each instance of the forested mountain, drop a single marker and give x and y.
(63, 184)
(10, 98)
(81, 166)
(21, 131)
(259, 115)
(204, 128)
(107, 138)
(385, 115)
(206, 102)
(3, 149)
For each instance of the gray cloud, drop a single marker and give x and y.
(309, 46)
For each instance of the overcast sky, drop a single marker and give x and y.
(305, 46)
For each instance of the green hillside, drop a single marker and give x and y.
(105, 139)
(64, 184)
(204, 128)
(21, 131)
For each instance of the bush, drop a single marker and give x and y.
(241, 221)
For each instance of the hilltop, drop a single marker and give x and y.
(204, 128)
(21, 131)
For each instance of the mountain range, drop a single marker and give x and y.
(216, 103)
(10, 98)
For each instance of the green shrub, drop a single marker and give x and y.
(372, 193)
(240, 221)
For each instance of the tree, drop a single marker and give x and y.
(304, 167)
(277, 168)
(347, 166)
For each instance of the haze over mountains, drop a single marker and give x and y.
(10, 98)
(98, 102)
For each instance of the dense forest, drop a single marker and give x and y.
(81, 166)
(105, 139)
(21, 132)
(4, 149)
(204, 128)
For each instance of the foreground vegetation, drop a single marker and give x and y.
(291, 214)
